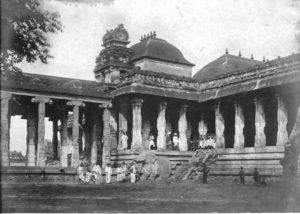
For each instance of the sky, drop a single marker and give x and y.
(202, 30)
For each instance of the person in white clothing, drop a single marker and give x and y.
(80, 172)
(96, 172)
(108, 172)
(176, 141)
(132, 173)
(151, 142)
(119, 173)
(124, 139)
(123, 172)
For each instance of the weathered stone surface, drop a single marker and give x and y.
(161, 125)
(123, 124)
(260, 123)
(31, 136)
(239, 139)
(64, 138)
(106, 136)
(5, 97)
(220, 127)
(146, 133)
(136, 123)
(164, 167)
(282, 120)
(182, 128)
(113, 129)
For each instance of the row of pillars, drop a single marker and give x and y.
(239, 138)
(36, 132)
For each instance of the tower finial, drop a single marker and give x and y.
(240, 54)
(226, 51)
(252, 56)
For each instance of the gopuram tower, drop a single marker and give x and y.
(114, 59)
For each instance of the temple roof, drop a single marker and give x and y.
(225, 64)
(158, 49)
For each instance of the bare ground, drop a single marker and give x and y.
(148, 196)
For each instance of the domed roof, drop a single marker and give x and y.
(225, 64)
(159, 49)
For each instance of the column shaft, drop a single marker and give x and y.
(182, 128)
(220, 127)
(123, 124)
(55, 138)
(161, 126)
(64, 138)
(5, 129)
(41, 154)
(260, 123)
(282, 120)
(75, 137)
(106, 136)
(136, 123)
(239, 139)
(31, 132)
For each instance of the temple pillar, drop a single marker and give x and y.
(75, 132)
(106, 134)
(113, 129)
(41, 153)
(55, 138)
(64, 137)
(31, 132)
(136, 123)
(202, 126)
(220, 127)
(95, 136)
(282, 120)
(146, 126)
(161, 125)
(182, 128)
(123, 123)
(260, 122)
(239, 139)
(5, 117)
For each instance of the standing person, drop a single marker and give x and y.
(108, 172)
(151, 142)
(119, 173)
(205, 173)
(123, 172)
(256, 176)
(176, 141)
(169, 141)
(124, 139)
(81, 173)
(132, 173)
(96, 171)
(242, 175)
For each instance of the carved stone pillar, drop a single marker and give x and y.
(202, 127)
(136, 123)
(5, 117)
(113, 129)
(282, 120)
(123, 123)
(55, 138)
(106, 133)
(31, 132)
(260, 123)
(75, 132)
(161, 126)
(182, 128)
(64, 137)
(239, 139)
(220, 127)
(41, 153)
(95, 136)
(146, 128)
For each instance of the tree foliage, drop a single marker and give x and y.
(24, 29)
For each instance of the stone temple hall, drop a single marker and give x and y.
(246, 107)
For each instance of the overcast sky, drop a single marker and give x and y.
(201, 29)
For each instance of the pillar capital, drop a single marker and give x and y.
(75, 103)
(105, 105)
(41, 99)
(6, 95)
(137, 102)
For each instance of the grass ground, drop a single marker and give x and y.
(148, 196)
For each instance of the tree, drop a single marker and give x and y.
(24, 29)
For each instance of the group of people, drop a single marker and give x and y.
(256, 177)
(89, 175)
